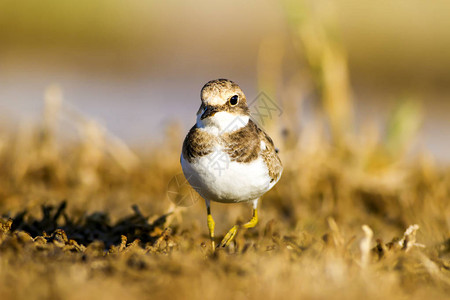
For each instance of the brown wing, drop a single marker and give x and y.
(197, 143)
(243, 145)
(270, 156)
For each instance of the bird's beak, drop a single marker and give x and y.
(209, 112)
(200, 109)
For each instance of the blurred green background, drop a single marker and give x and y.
(139, 65)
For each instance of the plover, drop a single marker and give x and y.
(226, 157)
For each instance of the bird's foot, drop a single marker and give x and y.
(229, 236)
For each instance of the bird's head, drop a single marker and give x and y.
(223, 103)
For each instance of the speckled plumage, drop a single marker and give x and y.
(226, 157)
(245, 145)
(197, 143)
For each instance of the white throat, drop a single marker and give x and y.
(222, 122)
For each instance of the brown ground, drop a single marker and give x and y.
(91, 220)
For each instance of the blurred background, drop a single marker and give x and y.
(96, 97)
(137, 66)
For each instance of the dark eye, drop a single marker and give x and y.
(234, 100)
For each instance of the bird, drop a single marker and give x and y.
(226, 157)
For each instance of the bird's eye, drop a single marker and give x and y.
(234, 100)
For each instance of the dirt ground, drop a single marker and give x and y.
(88, 219)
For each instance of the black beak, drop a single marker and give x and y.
(209, 112)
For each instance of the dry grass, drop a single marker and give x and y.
(310, 243)
(351, 218)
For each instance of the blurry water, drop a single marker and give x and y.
(136, 110)
(139, 109)
(182, 46)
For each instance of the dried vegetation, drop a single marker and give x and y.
(351, 218)
(87, 218)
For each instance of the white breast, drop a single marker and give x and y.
(215, 177)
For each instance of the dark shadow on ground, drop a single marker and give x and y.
(89, 228)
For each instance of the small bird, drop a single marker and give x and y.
(226, 157)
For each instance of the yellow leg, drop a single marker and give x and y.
(253, 221)
(211, 225)
(232, 232)
(229, 236)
